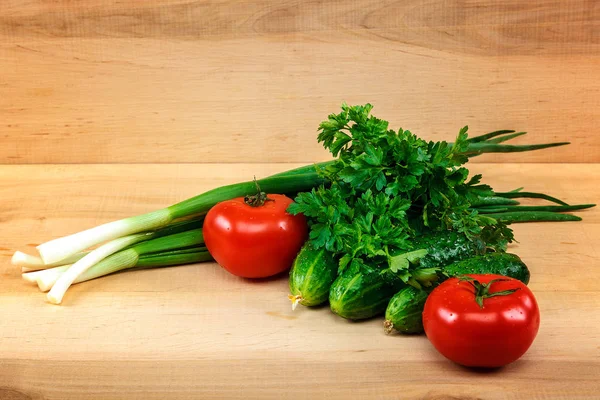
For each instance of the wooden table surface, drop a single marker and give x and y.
(197, 332)
(108, 106)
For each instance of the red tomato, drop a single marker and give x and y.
(494, 335)
(254, 241)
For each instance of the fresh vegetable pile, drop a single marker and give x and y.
(375, 231)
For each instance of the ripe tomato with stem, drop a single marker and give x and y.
(254, 236)
(481, 320)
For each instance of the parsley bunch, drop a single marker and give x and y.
(386, 187)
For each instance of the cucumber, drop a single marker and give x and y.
(360, 295)
(311, 276)
(365, 294)
(404, 311)
(445, 247)
(506, 264)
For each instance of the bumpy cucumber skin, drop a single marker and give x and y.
(312, 274)
(367, 294)
(506, 264)
(405, 310)
(360, 295)
(444, 248)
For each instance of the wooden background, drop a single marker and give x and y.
(223, 90)
(97, 81)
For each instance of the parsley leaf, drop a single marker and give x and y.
(404, 260)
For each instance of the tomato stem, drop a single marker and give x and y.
(258, 199)
(482, 290)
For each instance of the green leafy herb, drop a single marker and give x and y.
(386, 187)
(404, 260)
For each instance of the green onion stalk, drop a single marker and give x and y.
(45, 279)
(170, 249)
(166, 236)
(29, 263)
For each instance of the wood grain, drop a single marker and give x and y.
(511, 22)
(223, 81)
(195, 331)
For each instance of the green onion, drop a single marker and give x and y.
(174, 258)
(531, 195)
(61, 248)
(66, 279)
(486, 137)
(33, 276)
(506, 138)
(493, 201)
(128, 258)
(120, 261)
(165, 234)
(527, 216)
(183, 250)
(476, 149)
(490, 210)
(305, 169)
(29, 263)
(33, 263)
